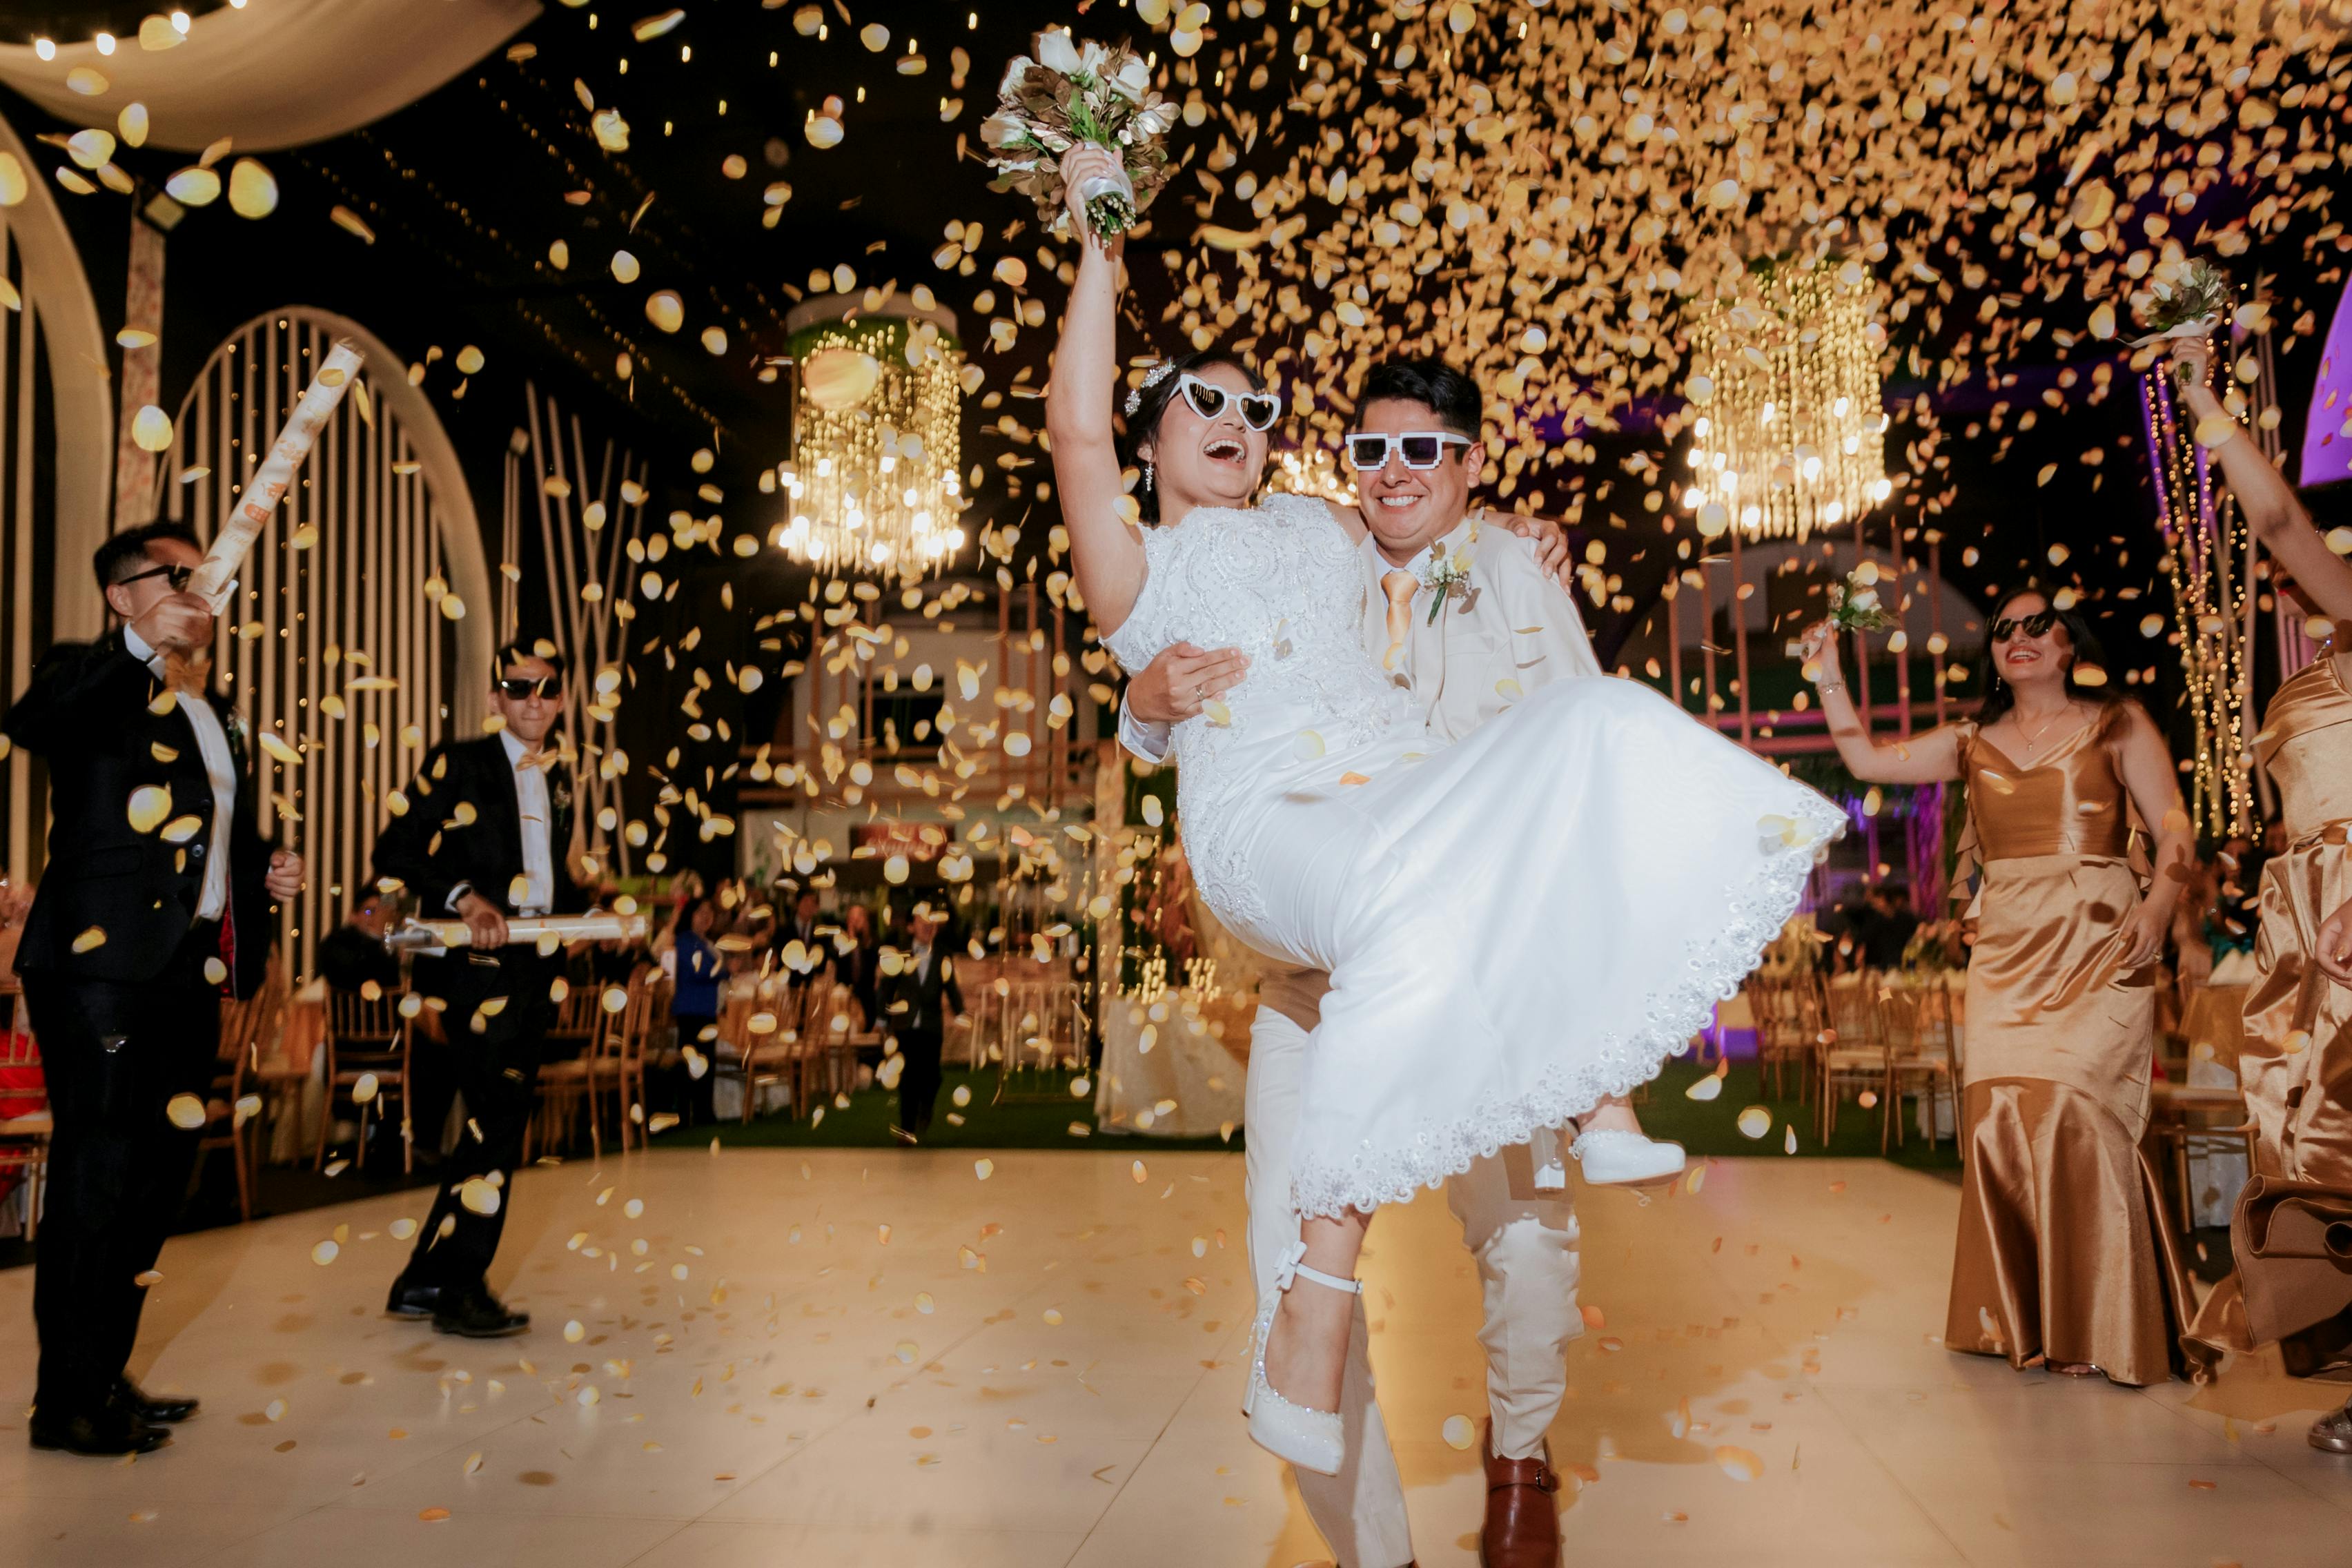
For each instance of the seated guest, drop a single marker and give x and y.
(353, 952)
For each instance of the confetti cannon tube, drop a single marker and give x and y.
(216, 573)
(438, 936)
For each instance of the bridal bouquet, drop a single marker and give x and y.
(1853, 607)
(1074, 94)
(1853, 604)
(2194, 302)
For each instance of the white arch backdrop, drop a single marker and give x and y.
(338, 639)
(46, 539)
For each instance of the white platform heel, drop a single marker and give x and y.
(1611, 1157)
(1311, 1439)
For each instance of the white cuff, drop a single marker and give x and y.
(1148, 742)
(457, 894)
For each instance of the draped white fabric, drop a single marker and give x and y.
(279, 73)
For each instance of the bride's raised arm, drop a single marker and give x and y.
(1106, 549)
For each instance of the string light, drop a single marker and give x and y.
(1789, 434)
(2204, 536)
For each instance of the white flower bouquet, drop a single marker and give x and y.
(1074, 94)
(2193, 300)
(1853, 607)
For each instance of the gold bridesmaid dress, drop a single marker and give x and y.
(2296, 1063)
(2063, 1253)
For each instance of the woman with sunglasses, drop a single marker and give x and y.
(2063, 1254)
(2296, 1062)
(1519, 927)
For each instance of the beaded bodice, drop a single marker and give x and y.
(1283, 584)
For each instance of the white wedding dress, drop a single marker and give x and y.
(1517, 925)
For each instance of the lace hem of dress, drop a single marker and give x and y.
(1712, 972)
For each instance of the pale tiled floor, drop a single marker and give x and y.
(815, 1391)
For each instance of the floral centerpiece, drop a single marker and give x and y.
(1077, 94)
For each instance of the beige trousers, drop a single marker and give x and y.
(1525, 1242)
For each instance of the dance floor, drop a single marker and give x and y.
(881, 1357)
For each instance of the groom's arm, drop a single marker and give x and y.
(1548, 639)
(1148, 742)
(1178, 682)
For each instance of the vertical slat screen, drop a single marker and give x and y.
(342, 571)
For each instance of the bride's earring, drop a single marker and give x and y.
(1147, 473)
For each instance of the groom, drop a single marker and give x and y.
(1507, 628)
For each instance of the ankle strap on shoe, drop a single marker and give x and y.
(1330, 1282)
(1292, 1266)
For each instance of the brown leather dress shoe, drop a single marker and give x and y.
(1522, 1528)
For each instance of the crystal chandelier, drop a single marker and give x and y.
(876, 405)
(1789, 434)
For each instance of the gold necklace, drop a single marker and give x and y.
(2034, 740)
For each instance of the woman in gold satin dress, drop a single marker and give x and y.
(2296, 1063)
(2063, 1254)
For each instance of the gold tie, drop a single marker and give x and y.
(1400, 587)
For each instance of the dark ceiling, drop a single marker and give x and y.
(465, 191)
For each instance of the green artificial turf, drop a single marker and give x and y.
(1033, 1120)
(1711, 1127)
(1026, 1119)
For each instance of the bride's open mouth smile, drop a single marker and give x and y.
(1225, 450)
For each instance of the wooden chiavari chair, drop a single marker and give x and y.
(366, 1039)
(1918, 1022)
(569, 1085)
(248, 1029)
(1853, 1053)
(766, 1033)
(1788, 1015)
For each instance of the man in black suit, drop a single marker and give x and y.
(156, 899)
(483, 832)
(915, 1004)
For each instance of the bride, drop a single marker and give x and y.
(1519, 927)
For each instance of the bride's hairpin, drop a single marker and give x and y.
(1151, 378)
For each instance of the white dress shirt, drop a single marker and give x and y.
(212, 745)
(1513, 629)
(536, 815)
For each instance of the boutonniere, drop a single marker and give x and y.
(559, 796)
(1446, 577)
(235, 726)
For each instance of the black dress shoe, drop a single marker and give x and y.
(128, 1395)
(412, 1300)
(476, 1314)
(106, 1433)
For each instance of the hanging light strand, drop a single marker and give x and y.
(1789, 434)
(2204, 536)
(873, 482)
